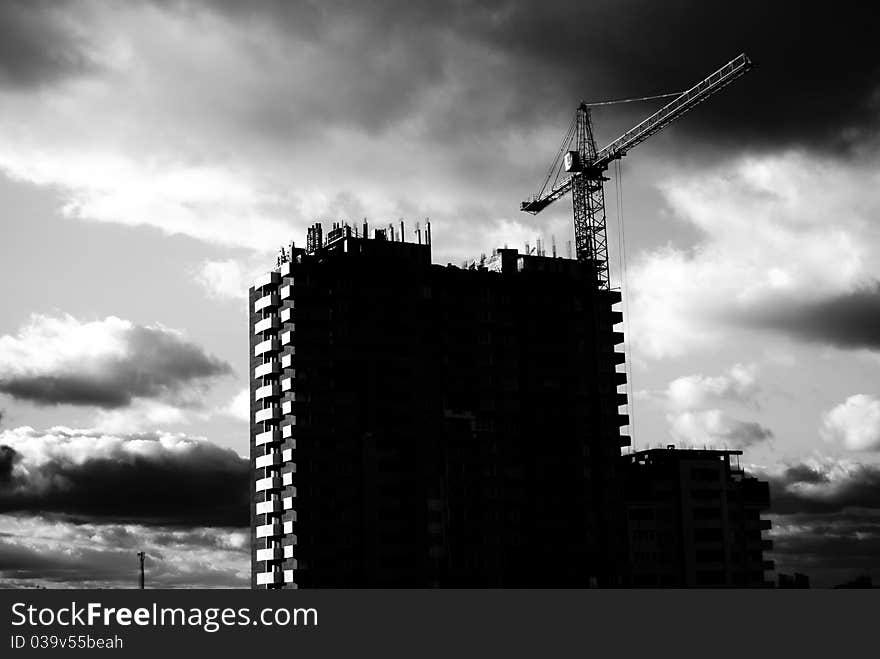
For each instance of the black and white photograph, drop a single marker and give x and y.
(571, 294)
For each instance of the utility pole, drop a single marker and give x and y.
(141, 556)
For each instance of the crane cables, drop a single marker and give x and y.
(632, 100)
(555, 169)
(556, 164)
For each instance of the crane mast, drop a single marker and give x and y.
(586, 165)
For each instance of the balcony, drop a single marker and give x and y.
(287, 360)
(286, 338)
(269, 368)
(270, 530)
(287, 455)
(269, 460)
(286, 384)
(286, 314)
(288, 578)
(288, 530)
(275, 554)
(267, 391)
(286, 292)
(267, 414)
(287, 503)
(269, 507)
(267, 324)
(270, 301)
(287, 407)
(287, 479)
(287, 429)
(268, 279)
(269, 578)
(267, 346)
(268, 437)
(288, 554)
(268, 484)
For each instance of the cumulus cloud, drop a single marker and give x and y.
(767, 258)
(142, 414)
(54, 552)
(738, 384)
(855, 423)
(224, 280)
(239, 407)
(225, 130)
(716, 429)
(106, 363)
(691, 425)
(150, 478)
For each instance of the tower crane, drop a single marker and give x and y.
(586, 165)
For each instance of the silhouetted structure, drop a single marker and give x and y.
(796, 580)
(141, 555)
(694, 520)
(421, 425)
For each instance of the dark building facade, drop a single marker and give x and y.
(424, 425)
(694, 520)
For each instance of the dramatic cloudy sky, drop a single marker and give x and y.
(154, 155)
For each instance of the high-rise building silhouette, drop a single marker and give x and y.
(424, 425)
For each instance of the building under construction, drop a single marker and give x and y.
(421, 425)
(426, 425)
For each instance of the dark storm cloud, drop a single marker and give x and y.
(39, 45)
(848, 321)
(826, 520)
(747, 433)
(831, 549)
(815, 85)
(376, 60)
(104, 363)
(150, 478)
(802, 473)
(804, 488)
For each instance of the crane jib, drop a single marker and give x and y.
(671, 111)
(642, 131)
